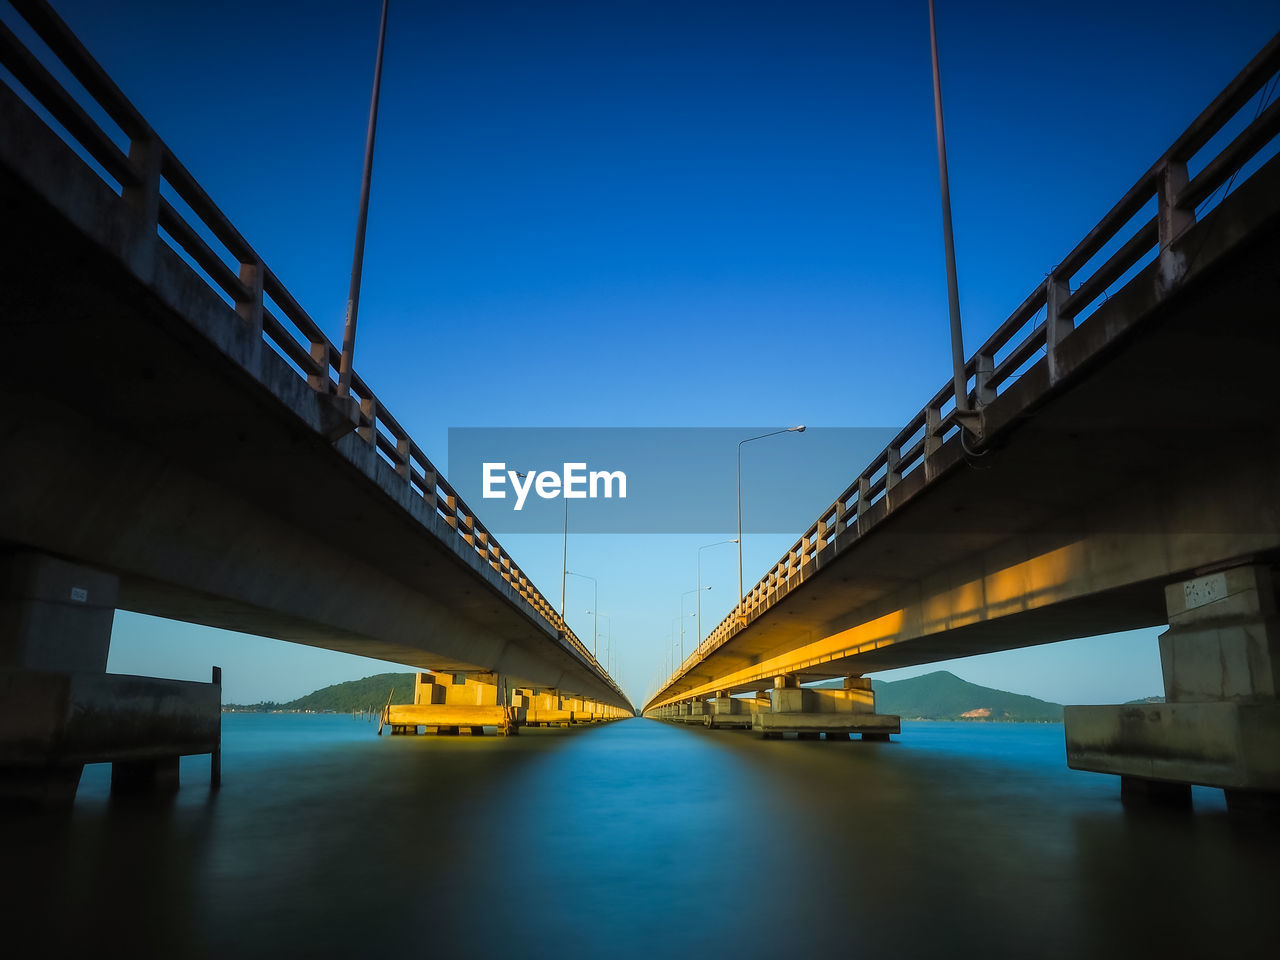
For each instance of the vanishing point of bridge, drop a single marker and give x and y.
(176, 446)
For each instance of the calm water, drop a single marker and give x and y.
(638, 839)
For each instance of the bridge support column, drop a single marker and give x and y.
(451, 703)
(725, 711)
(810, 713)
(1220, 723)
(60, 709)
(549, 709)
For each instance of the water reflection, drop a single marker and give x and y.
(637, 838)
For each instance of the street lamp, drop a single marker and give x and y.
(564, 553)
(345, 360)
(698, 591)
(609, 655)
(609, 624)
(564, 556)
(700, 549)
(594, 601)
(680, 639)
(796, 429)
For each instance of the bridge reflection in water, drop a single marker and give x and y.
(640, 838)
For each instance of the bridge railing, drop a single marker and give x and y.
(1223, 142)
(172, 206)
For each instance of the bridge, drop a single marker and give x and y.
(175, 445)
(1121, 473)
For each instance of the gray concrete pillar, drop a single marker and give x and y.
(54, 615)
(60, 709)
(1220, 723)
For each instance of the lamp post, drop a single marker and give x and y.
(595, 600)
(564, 553)
(700, 549)
(609, 654)
(609, 624)
(698, 591)
(357, 258)
(678, 640)
(564, 556)
(796, 429)
(961, 380)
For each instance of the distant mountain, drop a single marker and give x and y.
(1145, 700)
(944, 696)
(342, 697)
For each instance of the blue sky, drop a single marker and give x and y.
(660, 213)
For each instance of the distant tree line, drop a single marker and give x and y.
(341, 697)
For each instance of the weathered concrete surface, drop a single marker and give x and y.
(449, 702)
(1220, 726)
(59, 709)
(163, 443)
(1153, 458)
(835, 713)
(96, 717)
(1230, 745)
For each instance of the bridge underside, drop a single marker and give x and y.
(1154, 460)
(173, 449)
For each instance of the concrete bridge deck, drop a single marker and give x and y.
(1125, 445)
(174, 429)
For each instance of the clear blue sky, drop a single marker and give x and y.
(661, 213)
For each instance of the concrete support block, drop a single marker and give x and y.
(1220, 724)
(809, 711)
(459, 689)
(1222, 744)
(1223, 641)
(54, 615)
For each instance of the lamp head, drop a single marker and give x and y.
(799, 428)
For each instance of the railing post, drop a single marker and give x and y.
(1171, 221)
(984, 367)
(368, 411)
(250, 310)
(402, 456)
(1056, 326)
(319, 381)
(932, 439)
(864, 495)
(841, 522)
(429, 486)
(147, 158)
(892, 470)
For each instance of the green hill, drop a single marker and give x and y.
(944, 696)
(344, 697)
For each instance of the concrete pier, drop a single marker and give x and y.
(451, 703)
(725, 711)
(1220, 724)
(837, 714)
(548, 709)
(60, 709)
